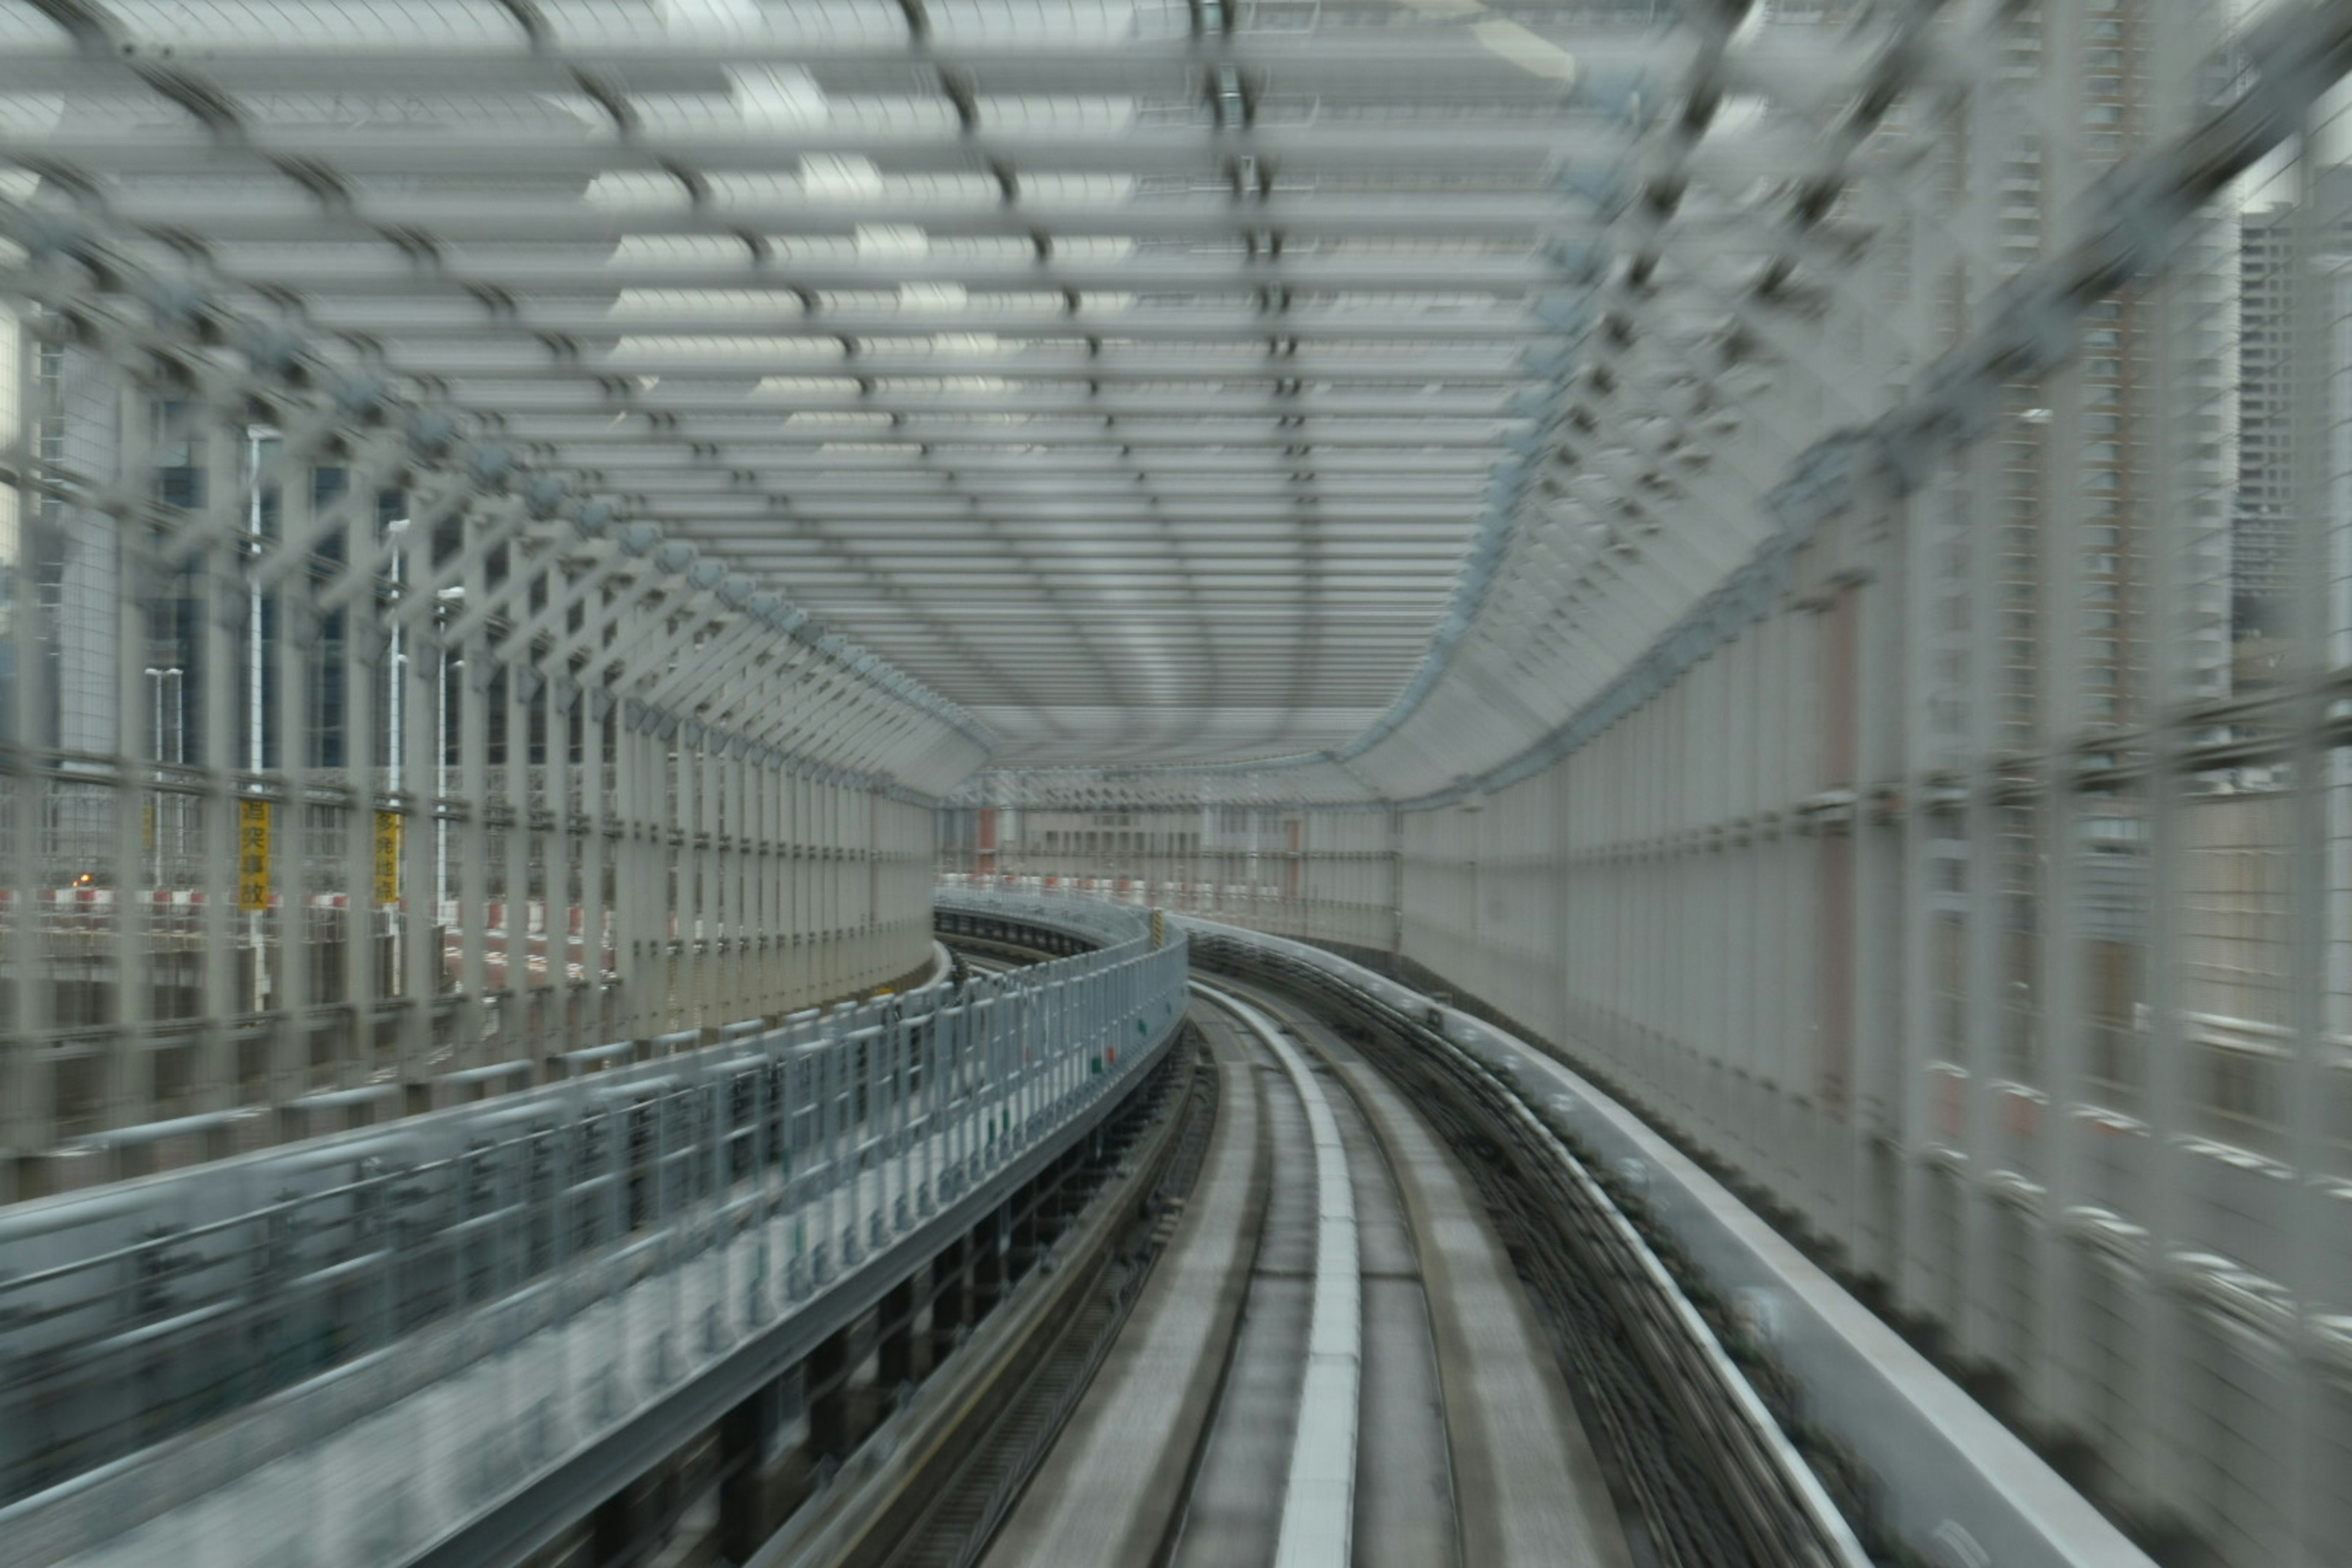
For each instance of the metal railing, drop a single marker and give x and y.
(454, 1303)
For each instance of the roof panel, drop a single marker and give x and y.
(1154, 392)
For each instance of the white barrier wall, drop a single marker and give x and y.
(2046, 1047)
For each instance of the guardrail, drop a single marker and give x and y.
(430, 1336)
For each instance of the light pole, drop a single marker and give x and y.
(396, 753)
(398, 660)
(158, 674)
(447, 596)
(441, 788)
(255, 435)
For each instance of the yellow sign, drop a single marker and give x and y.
(253, 854)
(1159, 929)
(387, 857)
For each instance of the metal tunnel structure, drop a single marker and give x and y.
(1797, 551)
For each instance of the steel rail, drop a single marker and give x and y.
(1318, 1497)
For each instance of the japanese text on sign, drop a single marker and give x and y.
(387, 857)
(253, 854)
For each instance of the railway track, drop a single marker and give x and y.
(958, 1527)
(1354, 1325)
(1295, 1328)
(936, 1491)
(1464, 1443)
(1703, 1476)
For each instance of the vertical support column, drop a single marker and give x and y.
(615, 1525)
(296, 660)
(746, 1434)
(1967, 1245)
(133, 802)
(781, 996)
(363, 652)
(735, 854)
(825, 1376)
(1753, 978)
(671, 808)
(873, 968)
(560, 856)
(766, 960)
(420, 793)
(469, 838)
(836, 915)
(2160, 1465)
(682, 868)
(987, 1248)
(830, 913)
(699, 863)
(1396, 881)
(638, 899)
(852, 912)
(737, 800)
(2047, 1367)
(815, 893)
(793, 873)
(1939, 590)
(19, 1052)
(783, 952)
(709, 869)
(1828, 1082)
(217, 1073)
(1910, 1257)
(894, 1319)
(520, 1027)
(1024, 1212)
(1883, 897)
(2312, 1224)
(26, 1103)
(596, 728)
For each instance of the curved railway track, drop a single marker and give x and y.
(1326, 1302)
(1345, 1320)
